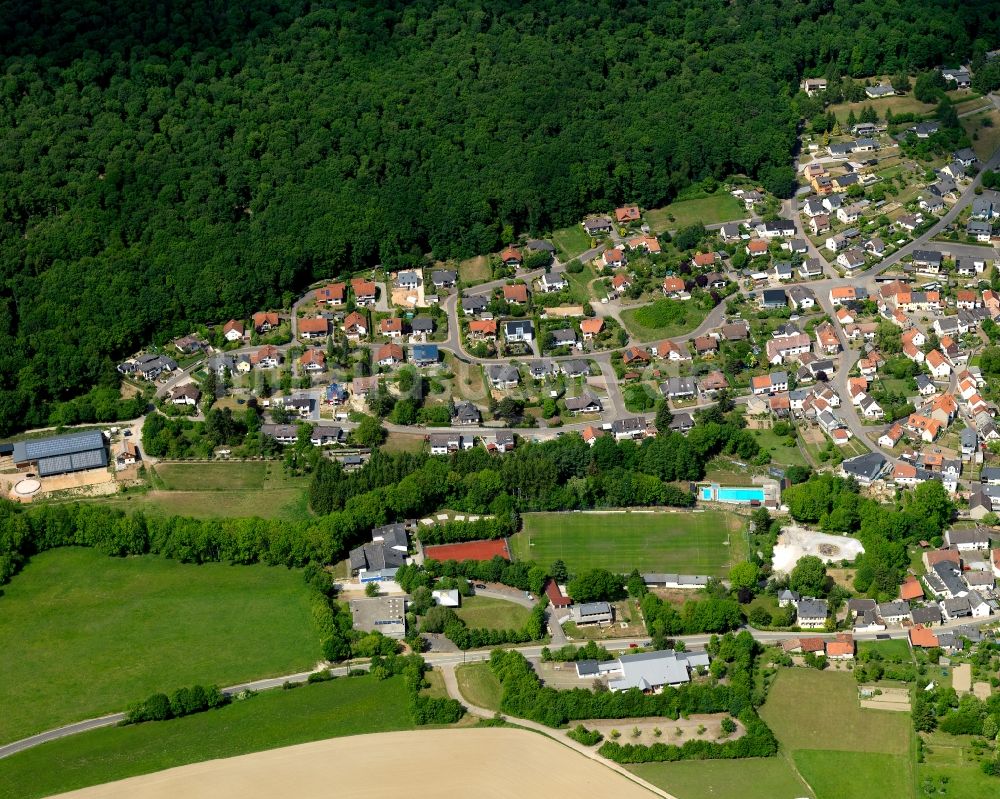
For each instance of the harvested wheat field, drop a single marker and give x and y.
(430, 763)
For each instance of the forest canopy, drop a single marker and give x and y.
(179, 162)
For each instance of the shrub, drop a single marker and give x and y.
(582, 735)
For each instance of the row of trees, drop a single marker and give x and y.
(183, 702)
(562, 474)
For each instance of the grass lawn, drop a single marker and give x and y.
(478, 685)
(403, 442)
(987, 138)
(435, 685)
(693, 316)
(859, 775)
(475, 270)
(781, 453)
(809, 709)
(271, 719)
(94, 634)
(894, 649)
(720, 207)
(579, 283)
(218, 490)
(492, 614)
(214, 476)
(753, 778)
(570, 242)
(705, 542)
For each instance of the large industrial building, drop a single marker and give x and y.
(61, 454)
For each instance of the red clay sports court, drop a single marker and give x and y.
(472, 550)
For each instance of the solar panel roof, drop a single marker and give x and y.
(59, 464)
(58, 445)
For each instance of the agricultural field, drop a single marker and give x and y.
(492, 614)
(479, 685)
(860, 775)
(805, 705)
(709, 210)
(705, 542)
(570, 242)
(218, 490)
(95, 633)
(437, 762)
(271, 719)
(753, 778)
(663, 319)
(839, 748)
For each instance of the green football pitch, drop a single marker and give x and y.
(700, 542)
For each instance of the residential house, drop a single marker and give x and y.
(388, 355)
(673, 287)
(444, 278)
(233, 330)
(474, 305)
(627, 213)
(313, 360)
(841, 294)
(756, 247)
(502, 376)
(881, 90)
(365, 291)
(586, 403)
(188, 394)
(425, 354)
(811, 613)
(680, 388)
(669, 350)
(466, 414)
(267, 357)
(552, 282)
(516, 292)
(866, 468)
(614, 258)
(265, 321)
(334, 294)
(483, 329)
(393, 327)
(773, 298)
(511, 257)
(355, 325)
(597, 225)
(519, 330)
(590, 328)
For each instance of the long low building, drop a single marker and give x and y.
(62, 454)
(648, 671)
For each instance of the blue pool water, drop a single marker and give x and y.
(733, 494)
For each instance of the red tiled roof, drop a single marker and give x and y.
(315, 324)
(516, 293)
(556, 597)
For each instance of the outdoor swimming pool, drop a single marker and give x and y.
(720, 494)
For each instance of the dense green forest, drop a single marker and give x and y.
(190, 161)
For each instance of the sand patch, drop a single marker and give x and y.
(429, 763)
(796, 542)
